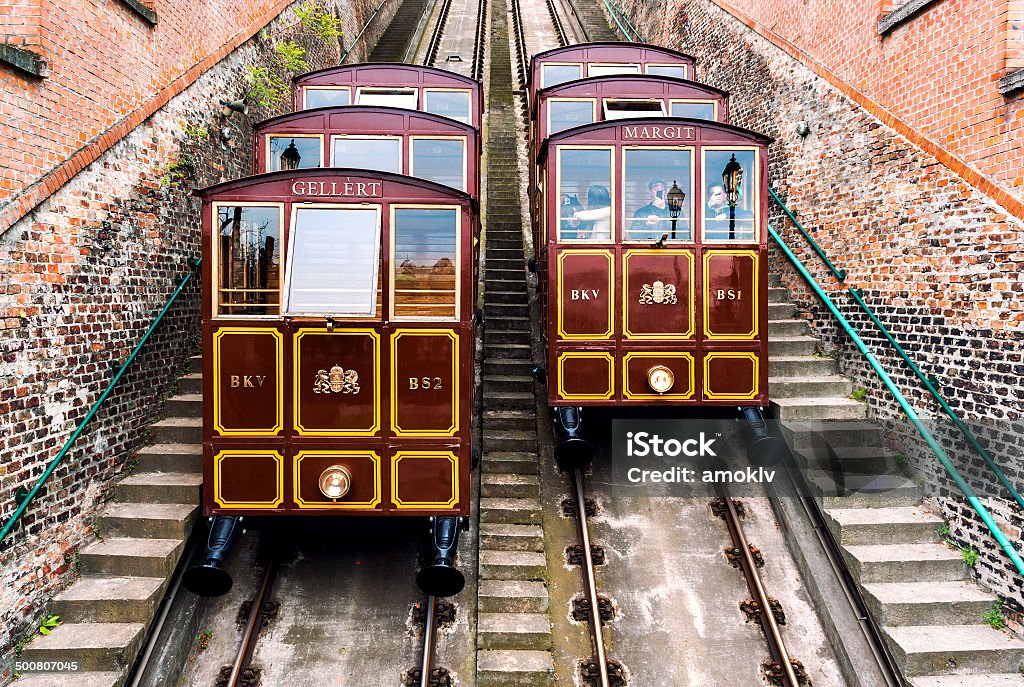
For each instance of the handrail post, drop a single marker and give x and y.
(25, 498)
(972, 498)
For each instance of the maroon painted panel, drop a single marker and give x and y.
(365, 492)
(637, 364)
(337, 382)
(247, 390)
(426, 387)
(731, 294)
(731, 375)
(658, 298)
(584, 375)
(425, 479)
(584, 293)
(249, 479)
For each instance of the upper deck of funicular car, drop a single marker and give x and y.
(388, 139)
(408, 86)
(583, 60)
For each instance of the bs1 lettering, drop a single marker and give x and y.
(729, 295)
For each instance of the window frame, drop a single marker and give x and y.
(431, 137)
(390, 291)
(543, 82)
(549, 101)
(690, 194)
(287, 281)
(426, 90)
(755, 184)
(639, 68)
(305, 89)
(274, 134)
(686, 69)
(283, 236)
(695, 101)
(612, 190)
(406, 90)
(604, 107)
(367, 137)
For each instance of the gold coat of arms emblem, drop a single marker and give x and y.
(337, 381)
(658, 293)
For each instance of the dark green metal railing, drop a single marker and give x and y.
(359, 35)
(626, 27)
(911, 414)
(839, 274)
(24, 497)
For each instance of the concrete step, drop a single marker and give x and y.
(514, 669)
(781, 311)
(149, 520)
(105, 599)
(184, 405)
(132, 557)
(498, 537)
(504, 261)
(853, 490)
(801, 366)
(510, 511)
(496, 295)
(178, 430)
(505, 252)
(521, 310)
(510, 485)
(522, 419)
(969, 680)
(497, 323)
(932, 649)
(778, 294)
(170, 458)
(95, 646)
(519, 351)
(907, 525)
(509, 440)
(501, 274)
(513, 631)
(195, 363)
(508, 366)
(159, 487)
(510, 462)
(493, 285)
(80, 679)
(795, 387)
(794, 327)
(512, 596)
(868, 460)
(931, 562)
(791, 345)
(927, 603)
(819, 433)
(813, 408)
(509, 399)
(506, 336)
(774, 279)
(508, 382)
(191, 383)
(512, 565)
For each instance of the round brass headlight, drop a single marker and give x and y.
(660, 379)
(335, 481)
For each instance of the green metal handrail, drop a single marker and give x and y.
(911, 414)
(361, 32)
(23, 497)
(930, 383)
(839, 274)
(631, 33)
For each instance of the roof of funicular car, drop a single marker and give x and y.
(621, 46)
(356, 111)
(569, 134)
(270, 178)
(301, 79)
(624, 79)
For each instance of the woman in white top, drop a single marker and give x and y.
(599, 211)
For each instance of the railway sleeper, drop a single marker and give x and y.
(775, 675)
(590, 674)
(574, 554)
(581, 609)
(439, 677)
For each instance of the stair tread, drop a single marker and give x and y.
(171, 448)
(150, 511)
(88, 636)
(94, 587)
(192, 479)
(816, 400)
(514, 661)
(927, 592)
(870, 516)
(952, 638)
(132, 546)
(187, 397)
(807, 378)
(881, 553)
(179, 422)
(82, 679)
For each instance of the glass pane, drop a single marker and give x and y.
(675, 70)
(327, 97)
(288, 152)
(567, 114)
(388, 97)
(694, 110)
(440, 160)
(612, 69)
(584, 176)
(647, 181)
(451, 104)
(425, 263)
(335, 256)
(627, 109)
(382, 154)
(249, 261)
(723, 221)
(553, 74)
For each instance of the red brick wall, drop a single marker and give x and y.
(20, 22)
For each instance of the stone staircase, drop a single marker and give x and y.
(105, 613)
(916, 587)
(513, 629)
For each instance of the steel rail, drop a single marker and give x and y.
(522, 63)
(435, 39)
(556, 22)
(429, 631)
(478, 41)
(253, 623)
(590, 583)
(776, 644)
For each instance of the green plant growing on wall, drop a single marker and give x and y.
(183, 168)
(318, 21)
(49, 625)
(969, 555)
(195, 131)
(994, 616)
(292, 56)
(265, 87)
(945, 532)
